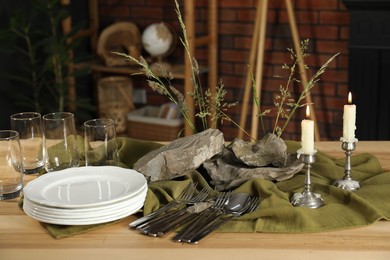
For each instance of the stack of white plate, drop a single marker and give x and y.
(85, 195)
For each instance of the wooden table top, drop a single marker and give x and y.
(21, 237)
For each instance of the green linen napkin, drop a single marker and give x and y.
(342, 209)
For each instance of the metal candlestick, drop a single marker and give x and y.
(347, 183)
(307, 198)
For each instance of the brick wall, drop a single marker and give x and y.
(323, 22)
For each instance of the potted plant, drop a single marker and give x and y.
(34, 37)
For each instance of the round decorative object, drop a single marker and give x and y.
(123, 37)
(158, 40)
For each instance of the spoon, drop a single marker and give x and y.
(232, 211)
(232, 208)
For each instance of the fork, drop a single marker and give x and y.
(202, 218)
(250, 206)
(165, 223)
(185, 195)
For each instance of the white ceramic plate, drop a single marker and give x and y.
(85, 187)
(86, 221)
(100, 211)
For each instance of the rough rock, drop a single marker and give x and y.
(271, 150)
(227, 172)
(181, 155)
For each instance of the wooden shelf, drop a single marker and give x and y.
(96, 66)
(179, 71)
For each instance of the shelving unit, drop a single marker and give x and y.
(180, 72)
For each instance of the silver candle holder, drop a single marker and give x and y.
(307, 198)
(346, 182)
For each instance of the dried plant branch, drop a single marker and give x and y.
(197, 95)
(161, 83)
(285, 105)
(159, 80)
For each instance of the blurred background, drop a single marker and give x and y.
(357, 29)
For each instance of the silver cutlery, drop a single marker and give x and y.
(203, 218)
(231, 210)
(159, 226)
(184, 196)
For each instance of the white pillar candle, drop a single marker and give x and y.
(307, 135)
(349, 120)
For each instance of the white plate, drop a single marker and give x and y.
(56, 210)
(86, 221)
(100, 211)
(84, 187)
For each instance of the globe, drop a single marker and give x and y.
(157, 39)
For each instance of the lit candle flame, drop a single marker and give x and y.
(307, 111)
(349, 98)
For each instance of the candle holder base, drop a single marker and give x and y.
(346, 182)
(307, 198)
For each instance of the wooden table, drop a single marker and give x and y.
(21, 237)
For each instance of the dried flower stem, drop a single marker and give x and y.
(284, 104)
(158, 85)
(198, 92)
(307, 88)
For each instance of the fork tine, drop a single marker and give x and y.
(188, 192)
(221, 200)
(202, 194)
(254, 204)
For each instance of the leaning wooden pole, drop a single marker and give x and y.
(259, 67)
(248, 82)
(301, 65)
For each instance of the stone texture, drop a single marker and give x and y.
(181, 155)
(271, 150)
(227, 172)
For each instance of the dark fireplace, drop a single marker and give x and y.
(369, 66)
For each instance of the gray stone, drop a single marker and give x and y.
(271, 150)
(181, 155)
(227, 172)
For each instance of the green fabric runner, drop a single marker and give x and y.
(342, 209)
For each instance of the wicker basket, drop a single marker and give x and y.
(115, 97)
(145, 124)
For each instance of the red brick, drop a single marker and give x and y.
(160, 3)
(318, 32)
(146, 12)
(301, 17)
(329, 102)
(331, 46)
(226, 68)
(324, 89)
(237, 3)
(233, 55)
(114, 11)
(236, 28)
(343, 62)
(324, 22)
(344, 33)
(316, 60)
(228, 15)
(246, 15)
(342, 91)
(332, 17)
(316, 4)
(242, 42)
